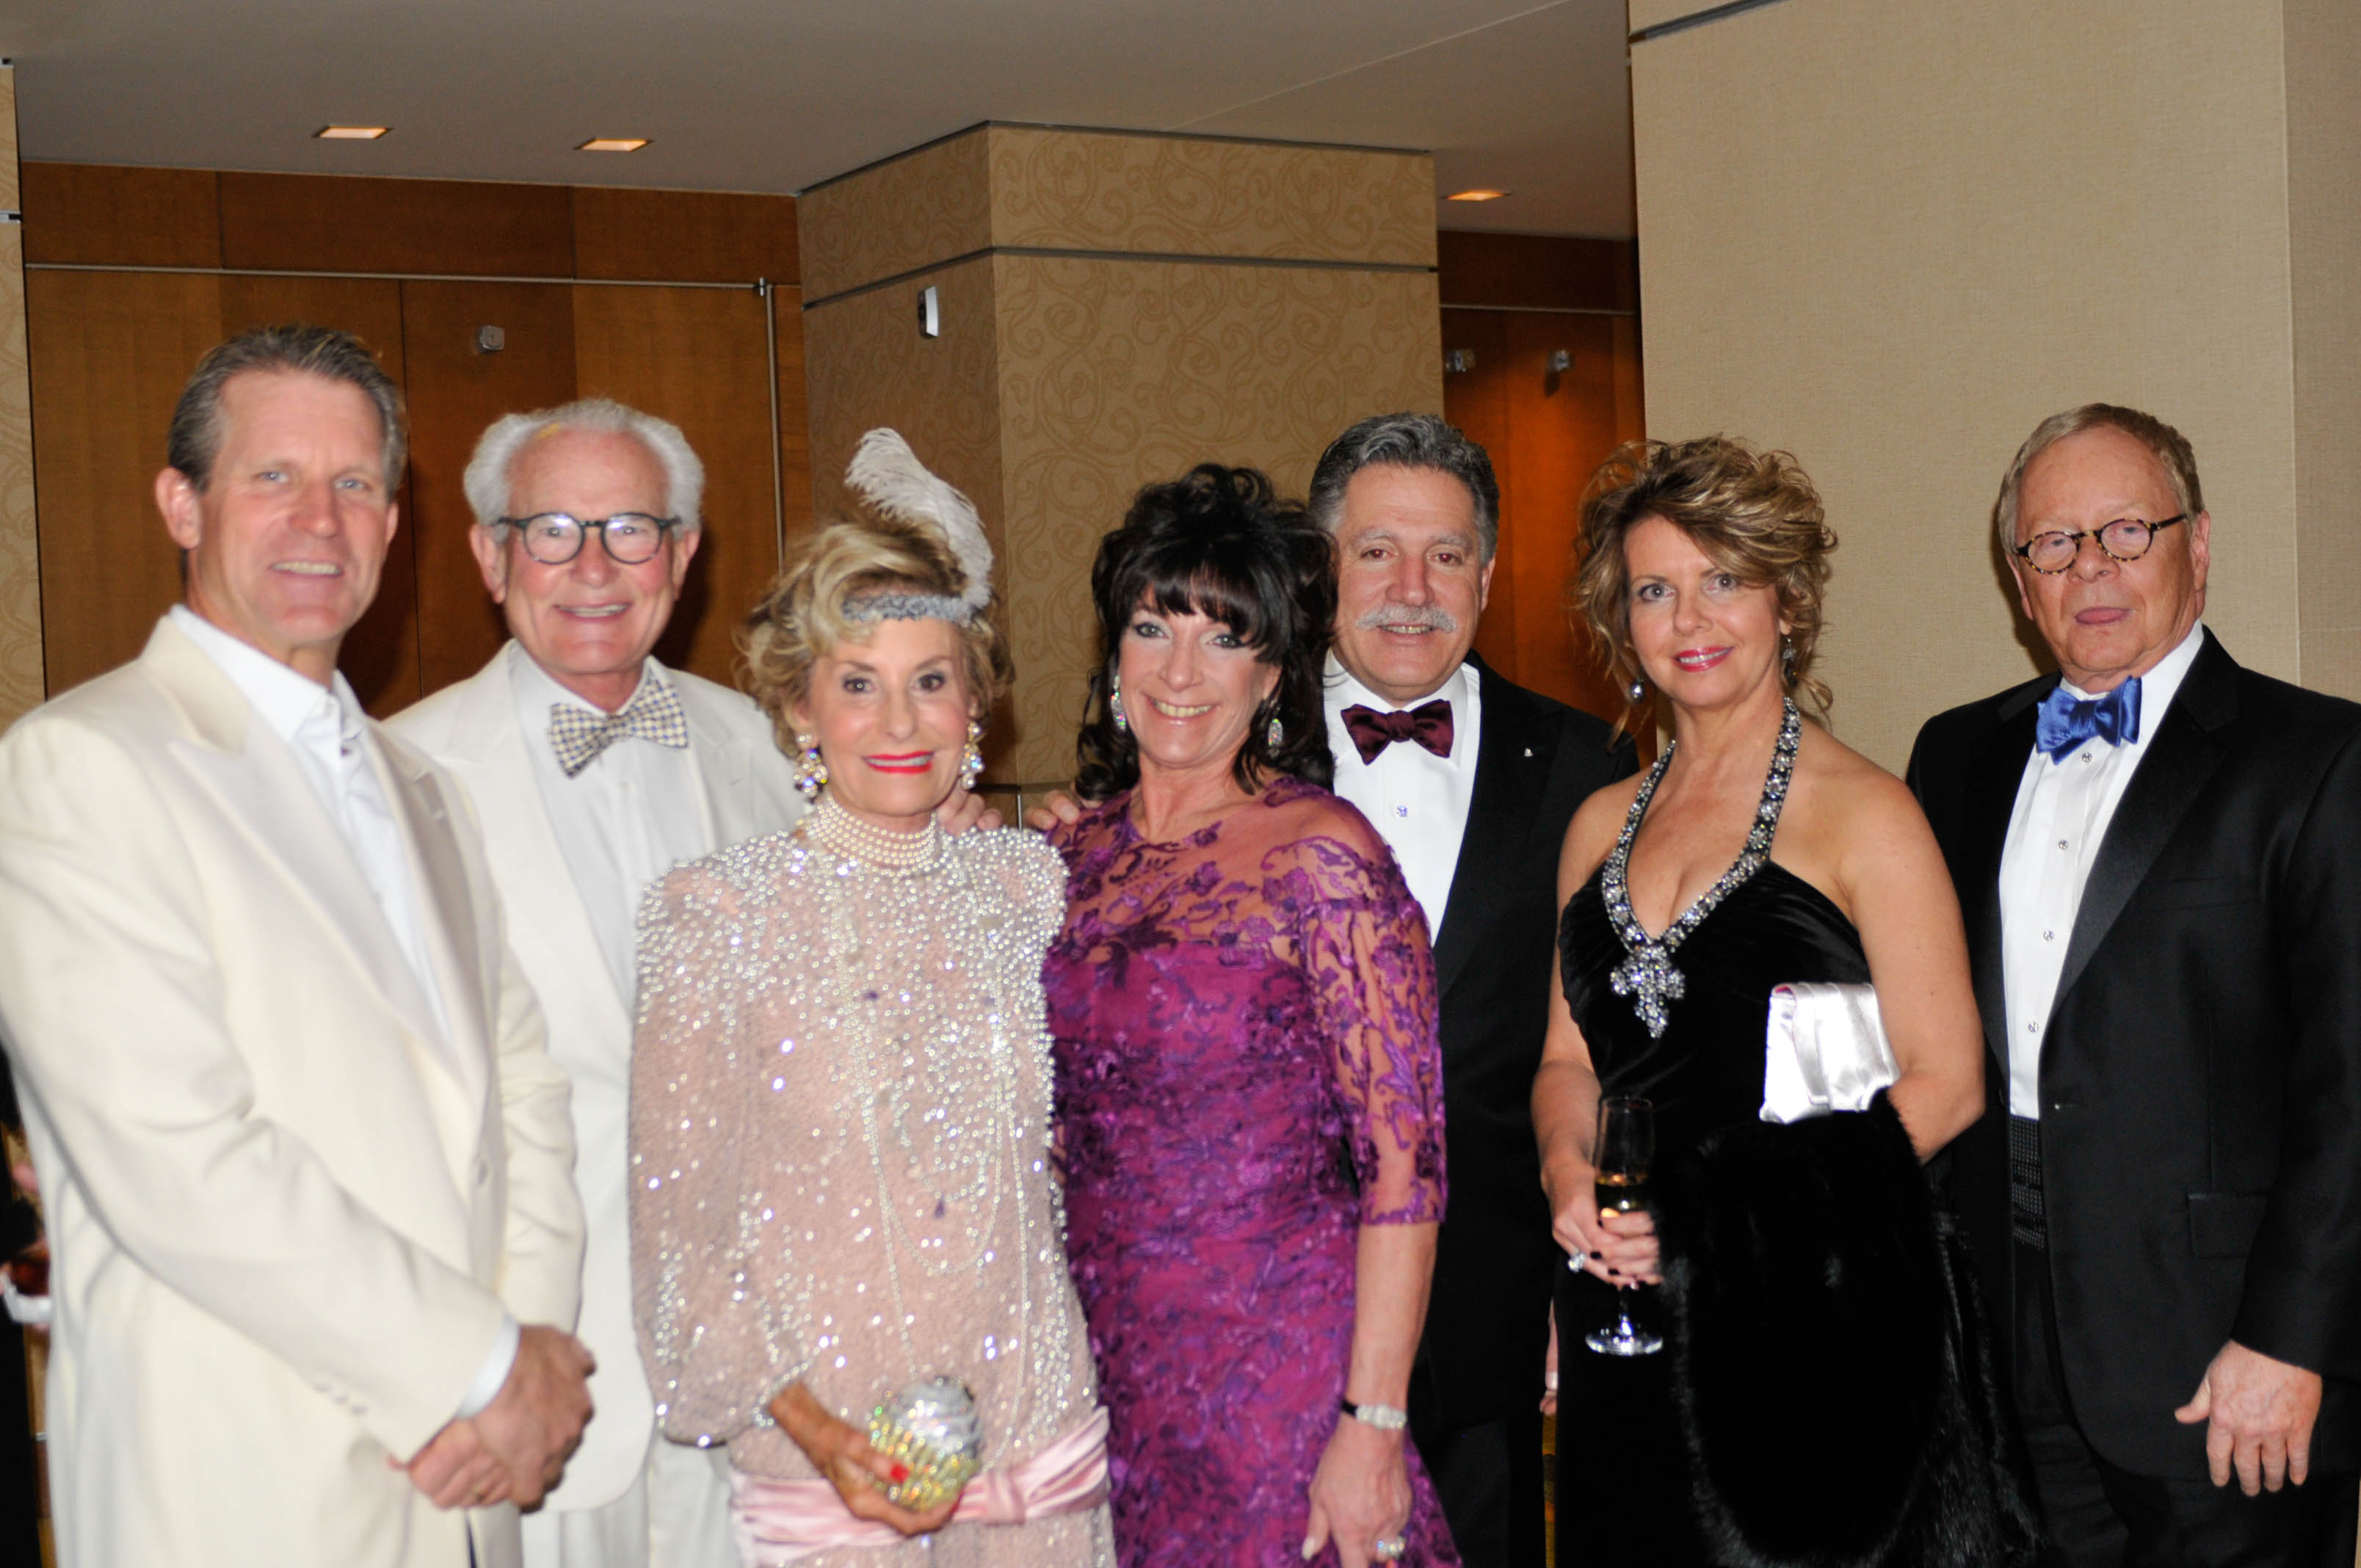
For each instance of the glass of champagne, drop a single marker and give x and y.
(1626, 1147)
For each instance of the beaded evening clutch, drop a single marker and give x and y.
(932, 1428)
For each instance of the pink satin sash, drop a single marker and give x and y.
(779, 1522)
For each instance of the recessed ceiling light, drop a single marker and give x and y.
(349, 133)
(1475, 195)
(612, 144)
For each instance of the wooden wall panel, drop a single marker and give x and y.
(125, 217)
(455, 392)
(1535, 271)
(339, 223)
(715, 236)
(795, 415)
(1546, 432)
(697, 357)
(112, 351)
(380, 654)
(1564, 424)
(21, 686)
(1477, 401)
(109, 354)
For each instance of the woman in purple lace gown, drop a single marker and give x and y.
(1248, 1085)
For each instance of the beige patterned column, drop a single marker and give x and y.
(1114, 308)
(20, 573)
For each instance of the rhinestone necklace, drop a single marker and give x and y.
(1646, 975)
(880, 848)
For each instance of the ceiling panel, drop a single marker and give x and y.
(765, 95)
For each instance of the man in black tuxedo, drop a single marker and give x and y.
(1472, 781)
(2158, 854)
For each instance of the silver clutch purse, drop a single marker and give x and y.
(1825, 1049)
(933, 1429)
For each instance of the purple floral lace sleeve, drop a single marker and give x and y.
(1363, 941)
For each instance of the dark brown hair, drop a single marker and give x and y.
(1219, 542)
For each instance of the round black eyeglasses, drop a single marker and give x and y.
(553, 538)
(2125, 538)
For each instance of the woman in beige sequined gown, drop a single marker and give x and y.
(841, 1095)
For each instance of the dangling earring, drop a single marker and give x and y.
(1115, 704)
(812, 771)
(1786, 657)
(1278, 734)
(1639, 692)
(971, 759)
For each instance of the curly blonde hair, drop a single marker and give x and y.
(1754, 513)
(803, 618)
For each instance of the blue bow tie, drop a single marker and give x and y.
(2067, 720)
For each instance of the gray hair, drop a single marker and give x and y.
(195, 440)
(2169, 446)
(486, 481)
(1407, 441)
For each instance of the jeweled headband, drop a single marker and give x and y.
(909, 606)
(888, 476)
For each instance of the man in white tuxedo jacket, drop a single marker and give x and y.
(594, 770)
(305, 1157)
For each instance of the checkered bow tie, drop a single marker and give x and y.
(578, 735)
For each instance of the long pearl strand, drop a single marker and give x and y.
(854, 838)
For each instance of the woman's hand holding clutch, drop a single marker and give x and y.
(843, 1455)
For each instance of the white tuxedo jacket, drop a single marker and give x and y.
(287, 1207)
(472, 729)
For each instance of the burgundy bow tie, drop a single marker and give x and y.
(1429, 724)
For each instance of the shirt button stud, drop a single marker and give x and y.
(2050, 935)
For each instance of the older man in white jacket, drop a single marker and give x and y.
(595, 769)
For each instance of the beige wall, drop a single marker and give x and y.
(20, 566)
(1891, 238)
(2324, 65)
(1115, 309)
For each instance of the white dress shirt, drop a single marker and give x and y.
(322, 727)
(1416, 800)
(622, 822)
(2064, 808)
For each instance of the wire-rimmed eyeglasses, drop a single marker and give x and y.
(553, 538)
(2125, 538)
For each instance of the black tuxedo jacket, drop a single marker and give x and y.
(1496, 1264)
(2200, 1078)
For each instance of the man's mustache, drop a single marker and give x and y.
(1428, 615)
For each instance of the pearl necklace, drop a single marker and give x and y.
(880, 848)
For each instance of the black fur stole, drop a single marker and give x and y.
(1831, 1362)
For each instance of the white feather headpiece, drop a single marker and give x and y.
(888, 476)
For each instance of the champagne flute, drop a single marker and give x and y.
(1625, 1147)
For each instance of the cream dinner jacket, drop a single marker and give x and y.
(472, 731)
(287, 1210)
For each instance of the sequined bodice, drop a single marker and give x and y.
(840, 1097)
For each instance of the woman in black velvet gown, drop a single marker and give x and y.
(1758, 851)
